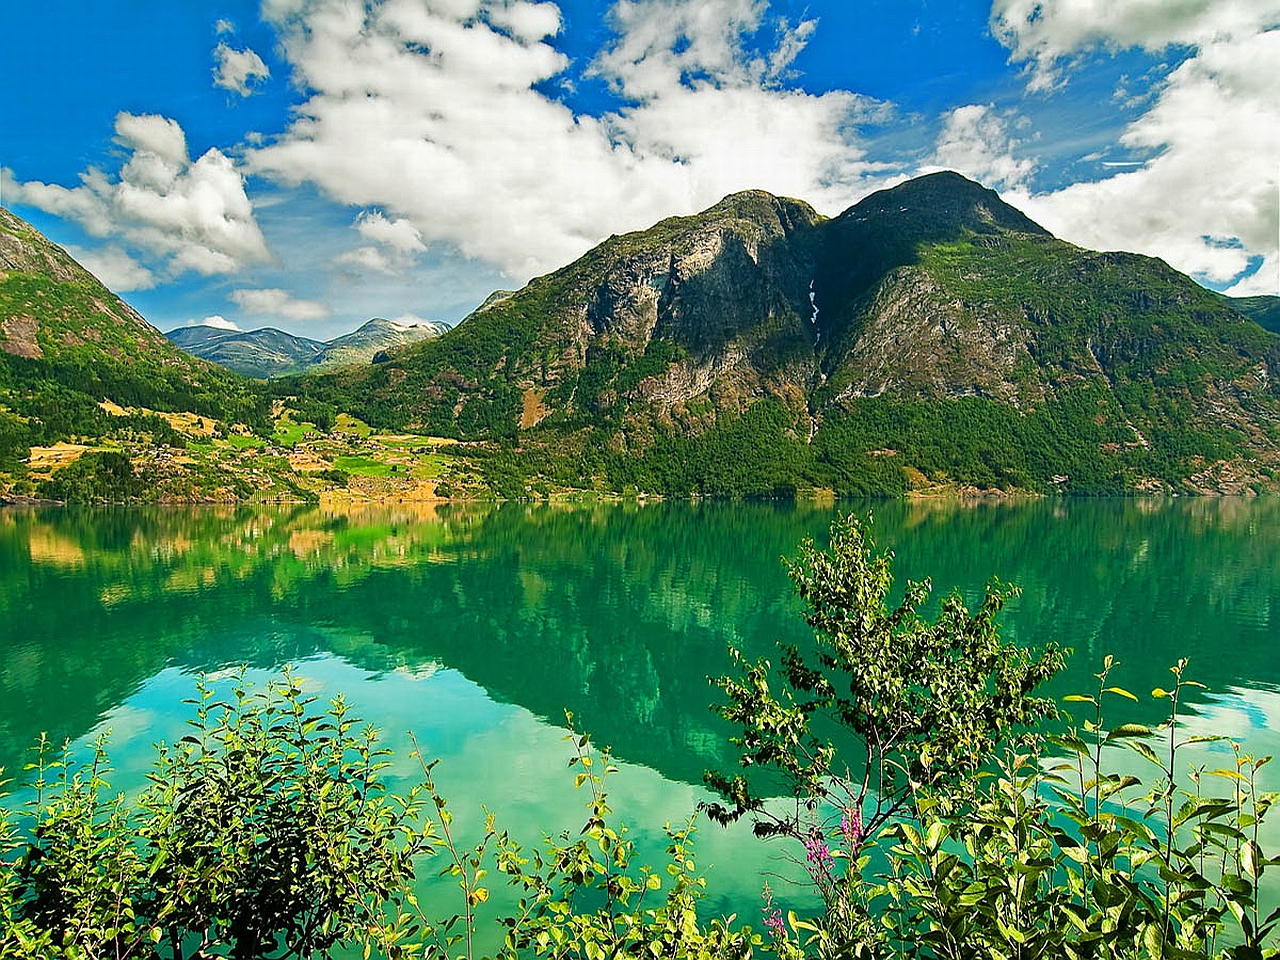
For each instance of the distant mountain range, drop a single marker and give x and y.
(931, 335)
(268, 352)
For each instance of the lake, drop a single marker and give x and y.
(476, 626)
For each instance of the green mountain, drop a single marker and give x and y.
(929, 335)
(268, 352)
(67, 344)
(262, 353)
(1264, 310)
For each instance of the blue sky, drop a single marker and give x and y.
(308, 164)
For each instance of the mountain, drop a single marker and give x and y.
(931, 335)
(263, 353)
(377, 336)
(1264, 310)
(268, 352)
(68, 345)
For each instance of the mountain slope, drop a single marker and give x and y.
(67, 344)
(266, 352)
(931, 334)
(375, 337)
(1264, 310)
(721, 298)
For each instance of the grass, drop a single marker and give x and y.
(345, 423)
(289, 434)
(363, 466)
(430, 467)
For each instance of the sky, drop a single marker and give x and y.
(309, 164)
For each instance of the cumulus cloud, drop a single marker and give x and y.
(526, 22)
(192, 216)
(436, 115)
(400, 234)
(278, 303)
(400, 243)
(217, 320)
(370, 259)
(1043, 33)
(118, 271)
(975, 141)
(1208, 199)
(238, 70)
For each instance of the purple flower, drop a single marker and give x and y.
(851, 827)
(773, 916)
(818, 855)
(816, 850)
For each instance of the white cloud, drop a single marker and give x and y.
(193, 216)
(224, 26)
(526, 22)
(118, 271)
(217, 320)
(400, 234)
(238, 70)
(400, 242)
(278, 303)
(975, 141)
(370, 258)
(1043, 32)
(1208, 200)
(432, 115)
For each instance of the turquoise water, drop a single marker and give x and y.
(476, 627)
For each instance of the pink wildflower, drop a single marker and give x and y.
(816, 850)
(851, 828)
(773, 916)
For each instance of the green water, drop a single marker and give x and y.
(475, 627)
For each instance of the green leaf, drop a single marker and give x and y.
(1126, 730)
(1145, 750)
(1249, 859)
(1120, 691)
(1153, 940)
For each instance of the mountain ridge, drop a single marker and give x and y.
(267, 352)
(803, 348)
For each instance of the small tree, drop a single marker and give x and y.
(925, 702)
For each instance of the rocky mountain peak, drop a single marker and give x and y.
(937, 206)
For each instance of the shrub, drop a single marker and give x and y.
(266, 832)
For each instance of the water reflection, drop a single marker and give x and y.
(616, 612)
